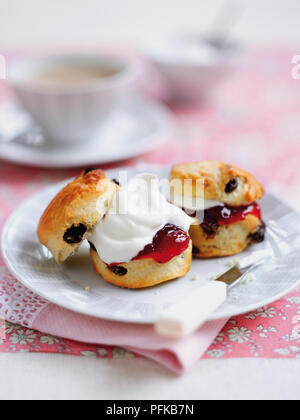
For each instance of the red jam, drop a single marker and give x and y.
(168, 243)
(227, 215)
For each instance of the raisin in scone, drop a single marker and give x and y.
(224, 201)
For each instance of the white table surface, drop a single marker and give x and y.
(84, 22)
(41, 376)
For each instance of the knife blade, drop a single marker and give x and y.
(231, 277)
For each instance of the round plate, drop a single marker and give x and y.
(135, 127)
(65, 285)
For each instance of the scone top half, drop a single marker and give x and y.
(75, 212)
(221, 182)
(228, 216)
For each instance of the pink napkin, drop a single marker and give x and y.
(177, 355)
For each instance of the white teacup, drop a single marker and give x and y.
(70, 95)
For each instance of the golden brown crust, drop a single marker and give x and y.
(227, 240)
(215, 177)
(144, 273)
(74, 212)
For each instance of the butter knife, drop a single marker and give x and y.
(191, 313)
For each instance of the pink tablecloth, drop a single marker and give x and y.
(253, 122)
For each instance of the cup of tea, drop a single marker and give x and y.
(69, 95)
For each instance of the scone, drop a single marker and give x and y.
(74, 213)
(137, 238)
(223, 200)
(138, 274)
(143, 240)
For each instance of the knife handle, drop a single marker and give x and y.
(189, 314)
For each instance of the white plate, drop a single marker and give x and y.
(135, 127)
(65, 285)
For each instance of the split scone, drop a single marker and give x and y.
(137, 238)
(74, 213)
(143, 240)
(223, 200)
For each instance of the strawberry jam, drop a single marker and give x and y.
(227, 215)
(168, 243)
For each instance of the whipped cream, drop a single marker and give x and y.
(193, 203)
(138, 212)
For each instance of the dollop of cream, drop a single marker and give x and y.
(138, 212)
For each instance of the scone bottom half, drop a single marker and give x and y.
(74, 213)
(143, 273)
(167, 257)
(236, 221)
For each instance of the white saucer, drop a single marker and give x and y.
(137, 126)
(66, 285)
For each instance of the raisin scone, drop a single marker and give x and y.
(137, 238)
(138, 274)
(143, 239)
(223, 199)
(75, 212)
